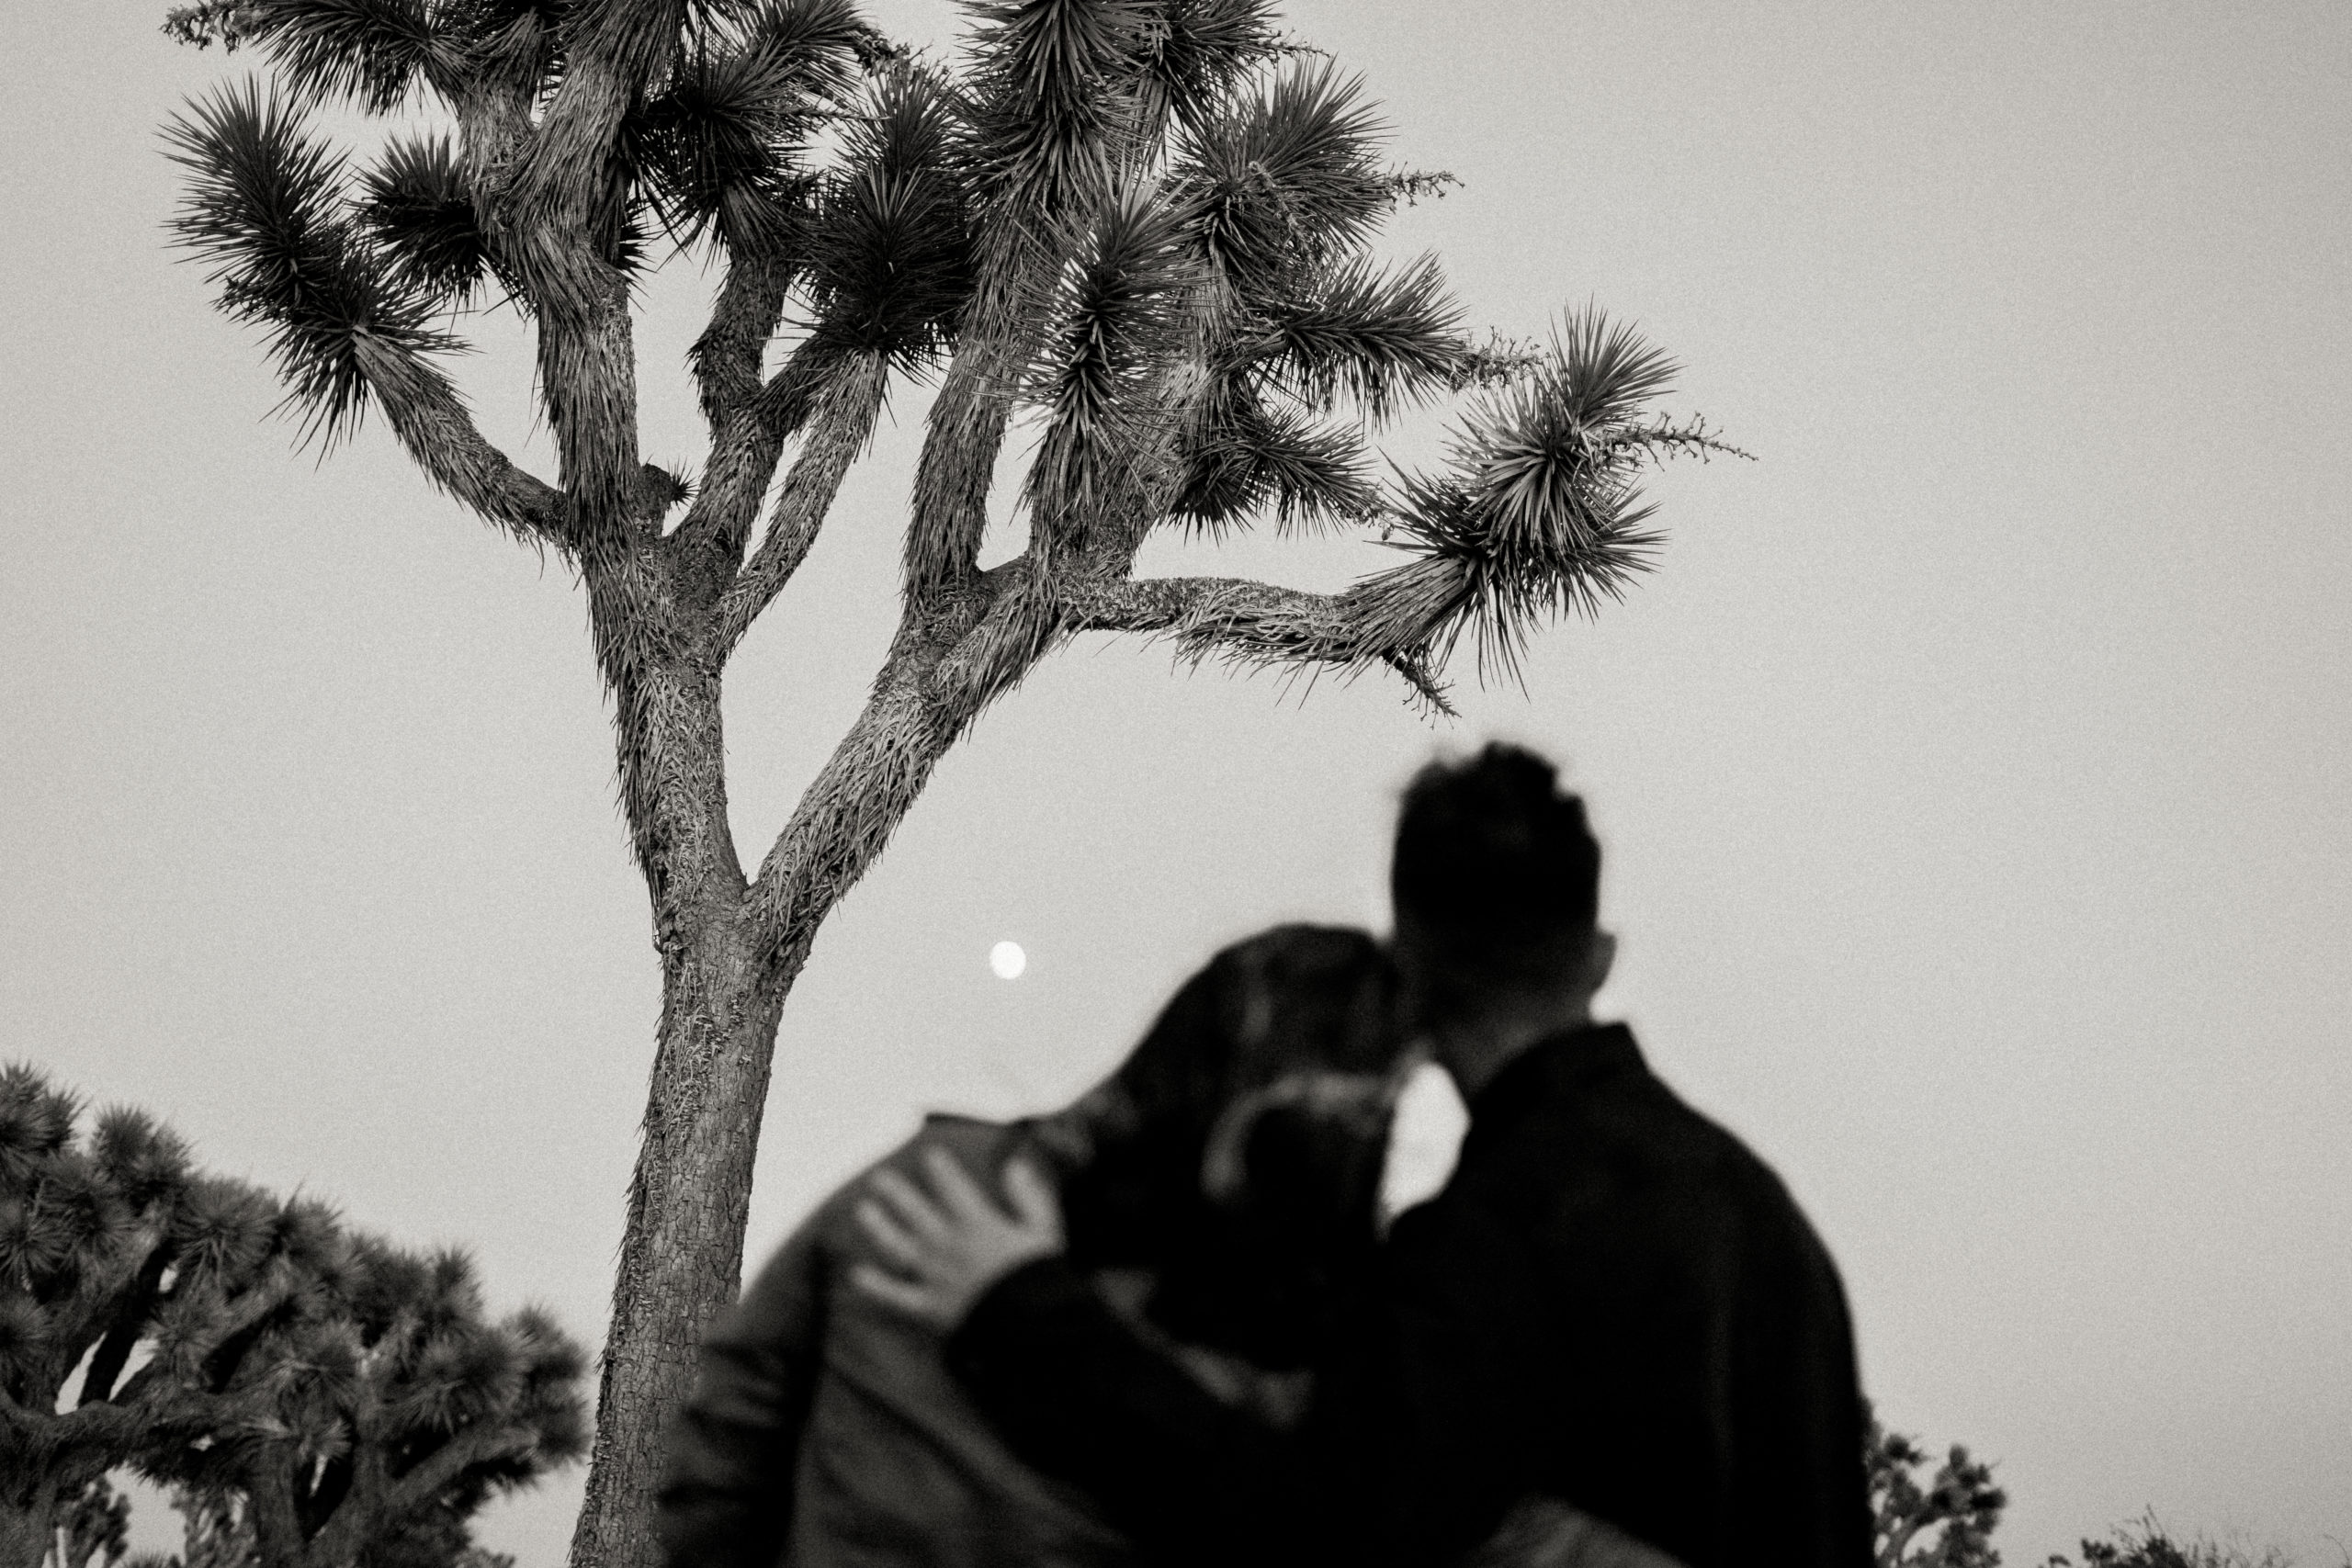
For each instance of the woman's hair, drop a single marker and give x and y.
(1294, 999)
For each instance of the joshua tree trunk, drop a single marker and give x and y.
(732, 950)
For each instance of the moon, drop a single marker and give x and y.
(1007, 959)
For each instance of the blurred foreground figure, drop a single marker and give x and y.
(1611, 1335)
(1220, 1192)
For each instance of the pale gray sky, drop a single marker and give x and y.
(1974, 772)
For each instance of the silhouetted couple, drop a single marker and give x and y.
(1162, 1324)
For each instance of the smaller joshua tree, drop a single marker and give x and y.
(2147, 1544)
(335, 1393)
(1947, 1522)
(373, 1429)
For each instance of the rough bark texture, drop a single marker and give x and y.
(731, 954)
(28, 1522)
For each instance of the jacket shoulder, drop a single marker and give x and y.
(1632, 1147)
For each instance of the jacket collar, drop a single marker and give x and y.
(1565, 1063)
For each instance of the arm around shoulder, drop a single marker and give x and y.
(1079, 1394)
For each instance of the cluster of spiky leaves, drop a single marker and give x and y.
(1942, 1518)
(1151, 215)
(413, 204)
(889, 261)
(721, 150)
(266, 208)
(232, 1340)
(1539, 512)
(397, 1373)
(321, 257)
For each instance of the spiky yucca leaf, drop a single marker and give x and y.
(465, 1373)
(84, 1204)
(1284, 180)
(824, 41)
(1540, 512)
(264, 206)
(148, 1164)
(221, 1232)
(34, 1243)
(370, 51)
(889, 257)
(182, 1330)
(551, 1357)
(385, 1283)
(35, 1120)
(553, 1365)
(1547, 460)
(1244, 458)
(24, 1329)
(334, 1361)
(1052, 98)
(1194, 53)
(1116, 317)
(719, 150)
(414, 203)
(308, 1234)
(452, 1297)
(1380, 338)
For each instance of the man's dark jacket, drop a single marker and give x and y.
(1613, 1303)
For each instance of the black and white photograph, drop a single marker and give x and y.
(1176, 784)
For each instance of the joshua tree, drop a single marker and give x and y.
(1946, 1523)
(341, 1396)
(107, 1245)
(1133, 232)
(377, 1423)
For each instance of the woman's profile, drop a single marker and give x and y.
(1220, 1187)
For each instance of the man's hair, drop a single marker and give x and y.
(1495, 867)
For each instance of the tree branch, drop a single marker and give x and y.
(556, 221)
(433, 425)
(966, 429)
(1248, 623)
(745, 445)
(726, 359)
(842, 419)
(849, 811)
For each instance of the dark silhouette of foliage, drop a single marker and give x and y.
(1137, 235)
(345, 1392)
(2147, 1544)
(1946, 1519)
(1940, 1520)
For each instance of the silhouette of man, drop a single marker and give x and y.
(1613, 1304)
